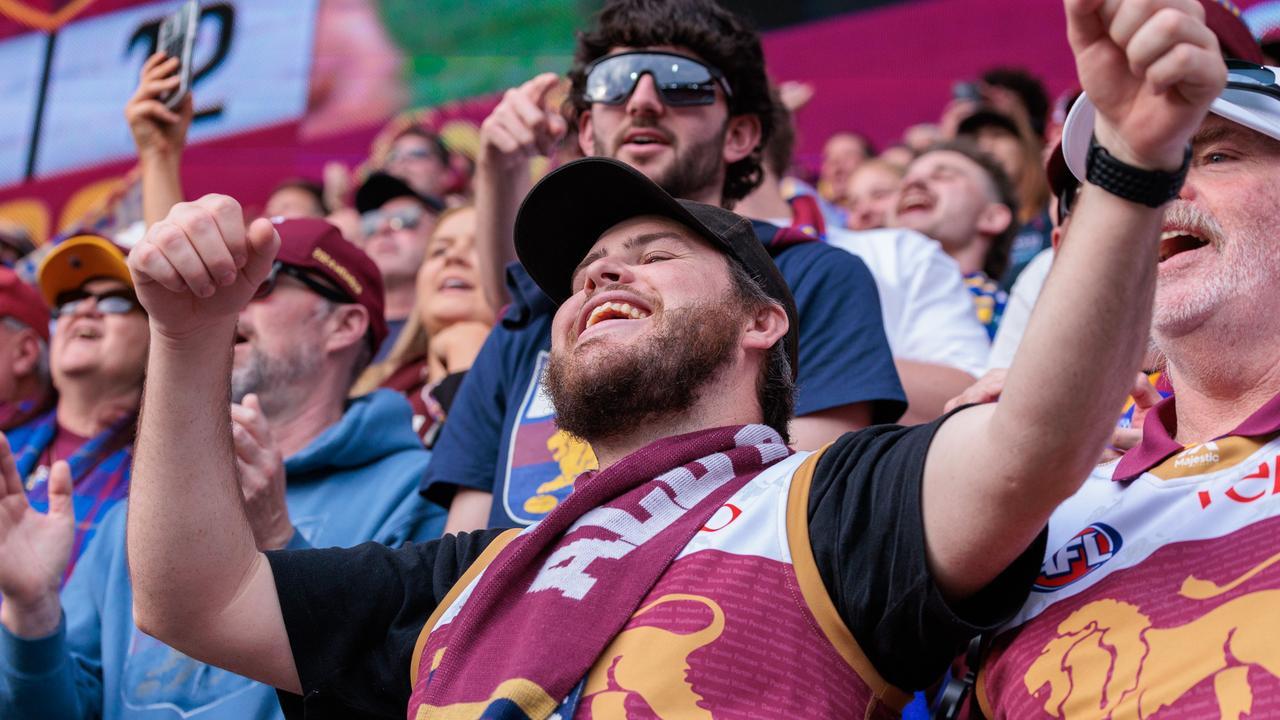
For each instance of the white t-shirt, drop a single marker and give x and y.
(1022, 298)
(928, 312)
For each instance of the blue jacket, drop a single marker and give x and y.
(357, 481)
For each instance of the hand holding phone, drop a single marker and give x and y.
(177, 39)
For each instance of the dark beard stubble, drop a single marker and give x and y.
(616, 391)
(693, 172)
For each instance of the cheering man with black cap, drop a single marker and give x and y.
(705, 569)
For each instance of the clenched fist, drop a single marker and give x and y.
(1151, 67)
(199, 266)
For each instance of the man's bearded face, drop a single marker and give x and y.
(660, 373)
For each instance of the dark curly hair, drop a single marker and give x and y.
(702, 27)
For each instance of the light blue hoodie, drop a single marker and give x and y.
(357, 481)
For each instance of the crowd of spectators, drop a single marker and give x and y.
(393, 379)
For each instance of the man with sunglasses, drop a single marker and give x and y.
(396, 223)
(314, 470)
(677, 90)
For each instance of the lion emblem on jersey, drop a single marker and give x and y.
(574, 456)
(1110, 662)
(651, 663)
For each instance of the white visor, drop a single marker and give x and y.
(1257, 111)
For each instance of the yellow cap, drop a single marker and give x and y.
(77, 260)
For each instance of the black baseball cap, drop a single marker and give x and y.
(383, 187)
(569, 209)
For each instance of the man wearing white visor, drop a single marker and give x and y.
(1161, 580)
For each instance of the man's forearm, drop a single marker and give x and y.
(161, 185)
(497, 200)
(995, 473)
(187, 526)
(1085, 340)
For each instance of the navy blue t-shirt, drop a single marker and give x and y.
(501, 436)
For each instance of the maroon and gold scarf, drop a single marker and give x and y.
(552, 600)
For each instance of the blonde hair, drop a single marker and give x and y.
(412, 343)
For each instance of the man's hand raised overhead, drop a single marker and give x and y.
(196, 269)
(1151, 67)
(996, 473)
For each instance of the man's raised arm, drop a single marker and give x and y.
(192, 557)
(995, 473)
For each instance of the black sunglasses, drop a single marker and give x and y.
(681, 80)
(111, 302)
(313, 283)
(406, 218)
(1251, 77)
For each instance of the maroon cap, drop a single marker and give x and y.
(23, 303)
(1234, 36)
(316, 245)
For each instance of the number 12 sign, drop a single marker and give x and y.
(64, 87)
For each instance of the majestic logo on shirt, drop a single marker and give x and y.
(1084, 553)
(1109, 661)
(542, 461)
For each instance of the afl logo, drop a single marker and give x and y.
(1084, 553)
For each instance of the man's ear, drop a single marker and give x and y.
(1056, 237)
(994, 219)
(741, 136)
(26, 353)
(767, 325)
(586, 143)
(347, 326)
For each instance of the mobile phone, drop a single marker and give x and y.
(177, 38)
(966, 91)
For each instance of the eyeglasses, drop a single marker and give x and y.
(111, 302)
(410, 154)
(681, 81)
(406, 218)
(314, 284)
(1250, 77)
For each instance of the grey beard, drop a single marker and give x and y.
(274, 380)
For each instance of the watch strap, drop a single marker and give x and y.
(1152, 188)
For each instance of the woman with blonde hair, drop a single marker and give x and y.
(450, 320)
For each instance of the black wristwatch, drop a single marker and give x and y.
(1152, 188)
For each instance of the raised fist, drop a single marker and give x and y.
(1151, 67)
(199, 266)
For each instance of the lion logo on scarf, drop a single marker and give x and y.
(651, 663)
(1110, 662)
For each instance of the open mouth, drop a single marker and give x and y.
(1175, 242)
(456, 284)
(85, 332)
(915, 202)
(644, 137)
(609, 307)
(615, 311)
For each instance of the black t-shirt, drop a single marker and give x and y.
(354, 615)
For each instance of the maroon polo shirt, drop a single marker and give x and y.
(1162, 424)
